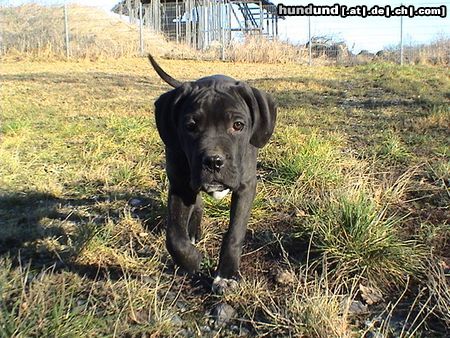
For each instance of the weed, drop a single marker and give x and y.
(358, 238)
(306, 307)
(391, 149)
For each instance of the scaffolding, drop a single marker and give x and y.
(202, 23)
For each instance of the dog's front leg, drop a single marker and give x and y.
(178, 242)
(230, 253)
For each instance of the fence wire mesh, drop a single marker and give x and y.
(62, 29)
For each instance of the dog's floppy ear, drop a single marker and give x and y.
(264, 116)
(166, 115)
(263, 111)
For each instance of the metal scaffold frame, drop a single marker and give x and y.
(202, 23)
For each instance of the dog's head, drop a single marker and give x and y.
(214, 121)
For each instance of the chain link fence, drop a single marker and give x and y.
(71, 31)
(399, 39)
(64, 30)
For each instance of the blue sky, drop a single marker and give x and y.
(372, 33)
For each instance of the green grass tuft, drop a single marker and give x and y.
(303, 167)
(392, 149)
(358, 238)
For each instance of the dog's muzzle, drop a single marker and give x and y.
(214, 164)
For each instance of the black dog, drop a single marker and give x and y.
(212, 129)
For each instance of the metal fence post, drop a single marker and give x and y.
(177, 22)
(66, 31)
(222, 28)
(309, 39)
(141, 33)
(401, 40)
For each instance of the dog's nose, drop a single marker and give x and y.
(214, 162)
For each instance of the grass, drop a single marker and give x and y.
(353, 190)
(61, 304)
(308, 161)
(358, 239)
(311, 310)
(38, 32)
(391, 148)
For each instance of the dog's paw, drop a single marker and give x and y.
(192, 264)
(222, 285)
(188, 260)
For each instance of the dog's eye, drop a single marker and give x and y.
(238, 126)
(191, 126)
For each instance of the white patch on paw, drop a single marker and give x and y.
(218, 195)
(221, 285)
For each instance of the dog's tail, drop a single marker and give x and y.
(163, 75)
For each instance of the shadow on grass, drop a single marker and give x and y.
(273, 246)
(41, 230)
(93, 78)
(361, 108)
(349, 93)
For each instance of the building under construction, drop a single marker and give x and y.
(200, 23)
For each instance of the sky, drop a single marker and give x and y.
(372, 33)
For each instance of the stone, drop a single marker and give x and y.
(176, 321)
(285, 277)
(370, 295)
(223, 313)
(135, 203)
(356, 307)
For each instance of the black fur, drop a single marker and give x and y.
(212, 129)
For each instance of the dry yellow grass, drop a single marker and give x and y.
(38, 31)
(435, 53)
(78, 143)
(260, 49)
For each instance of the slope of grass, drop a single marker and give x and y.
(38, 32)
(353, 190)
